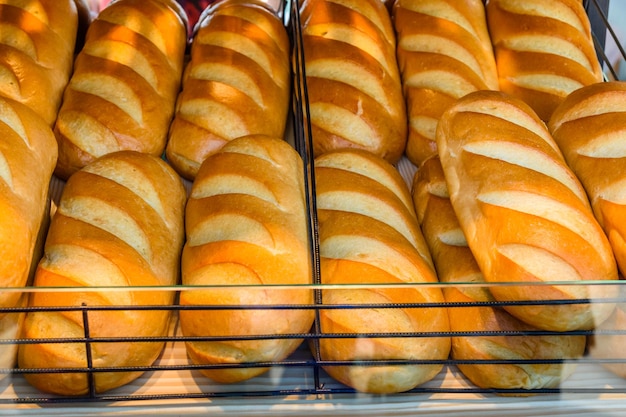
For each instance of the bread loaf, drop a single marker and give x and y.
(122, 92)
(37, 40)
(444, 52)
(28, 154)
(353, 82)
(457, 267)
(246, 230)
(590, 128)
(119, 224)
(237, 83)
(543, 49)
(524, 213)
(368, 236)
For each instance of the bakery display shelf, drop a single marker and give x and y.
(299, 384)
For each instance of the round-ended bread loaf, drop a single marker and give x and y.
(369, 237)
(543, 49)
(237, 83)
(246, 231)
(456, 266)
(353, 82)
(119, 223)
(123, 89)
(524, 213)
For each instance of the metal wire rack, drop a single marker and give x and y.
(302, 375)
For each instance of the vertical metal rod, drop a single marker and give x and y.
(91, 383)
(305, 140)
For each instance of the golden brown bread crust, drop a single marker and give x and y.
(246, 225)
(590, 128)
(369, 235)
(455, 264)
(123, 90)
(524, 213)
(37, 52)
(353, 81)
(444, 52)
(28, 154)
(543, 50)
(119, 224)
(237, 83)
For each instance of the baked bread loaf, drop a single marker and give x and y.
(246, 229)
(353, 81)
(119, 224)
(28, 154)
(456, 266)
(444, 52)
(37, 43)
(237, 83)
(543, 49)
(122, 93)
(369, 235)
(590, 128)
(524, 213)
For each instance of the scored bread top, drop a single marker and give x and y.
(353, 80)
(544, 50)
(444, 52)
(28, 154)
(590, 128)
(523, 211)
(236, 83)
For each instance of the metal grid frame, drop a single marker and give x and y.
(318, 383)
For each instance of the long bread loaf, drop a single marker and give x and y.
(246, 226)
(123, 89)
(590, 128)
(456, 266)
(543, 49)
(353, 81)
(237, 83)
(369, 236)
(119, 224)
(524, 213)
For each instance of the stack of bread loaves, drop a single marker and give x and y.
(236, 83)
(369, 237)
(123, 89)
(444, 52)
(456, 266)
(119, 224)
(354, 87)
(590, 128)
